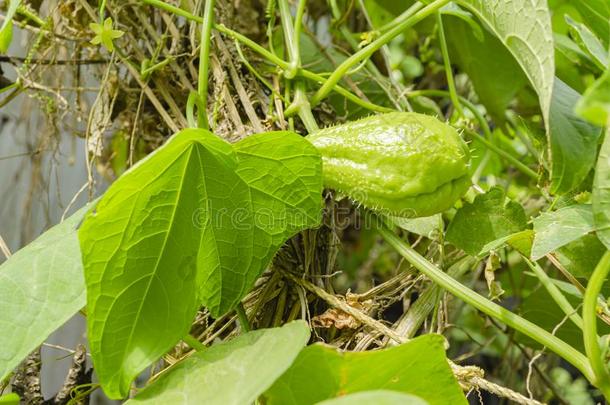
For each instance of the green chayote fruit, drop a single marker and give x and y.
(403, 164)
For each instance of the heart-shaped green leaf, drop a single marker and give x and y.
(183, 228)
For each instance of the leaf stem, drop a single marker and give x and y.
(589, 315)
(243, 318)
(204, 59)
(267, 55)
(447, 62)
(368, 50)
(193, 343)
(486, 306)
(555, 293)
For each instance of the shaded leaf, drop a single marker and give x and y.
(573, 142)
(594, 105)
(496, 81)
(488, 218)
(234, 372)
(320, 372)
(524, 27)
(558, 228)
(41, 287)
(581, 256)
(601, 193)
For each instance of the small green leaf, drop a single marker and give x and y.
(597, 15)
(377, 397)
(594, 105)
(41, 287)
(230, 373)
(588, 43)
(10, 399)
(321, 372)
(105, 34)
(430, 227)
(488, 218)
(522, 241)
(601, 193)
(558, 228)
(6, 30)
(573, 142)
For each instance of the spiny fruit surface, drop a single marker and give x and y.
(402, 163)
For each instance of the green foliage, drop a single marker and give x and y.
(594, 106)
(6, 30)
(194, 223)
(192, 228)
(498, 79)
(558, 228)
(601, 193)
(524, 27)
(491, 216)
(321, 372)
(573, 142)
(41, 287)
(231, 373)
(378, 397)
(588, 43)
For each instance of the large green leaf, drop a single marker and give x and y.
(41, 287)
(558, 228)
(488, 218)
(6, 30)
(524, 27)
(320, 372)
(377, 397)
(601, 193)
(498, 79)
(573, 142)
(184, 227)
(234, 372)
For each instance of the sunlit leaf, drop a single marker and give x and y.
(321, 372)
(194, 223)
(558, 228)
(230, 373)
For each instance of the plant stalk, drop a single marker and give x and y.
(371, 48)
(589, 315)
(488, 307)
(204, 59)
